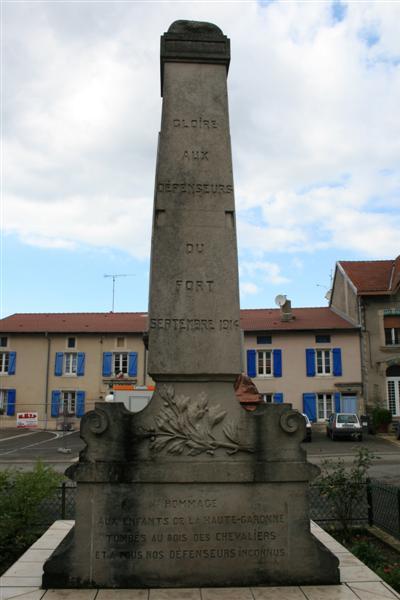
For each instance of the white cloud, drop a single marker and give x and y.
(315, 128)
(264, 271)
(246, 287)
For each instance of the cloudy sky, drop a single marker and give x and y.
(314, 92)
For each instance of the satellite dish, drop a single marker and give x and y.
(280, 300)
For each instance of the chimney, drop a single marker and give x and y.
(286, 311)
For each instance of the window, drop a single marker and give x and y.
(391, 324)
(323, 358)
(71, 342)
(3, 342)
(120, 363)
(68, 404)
(393, 394)
(120, 342)
(324, 362)
(7, 402)
(392, 336)
(264, 339)
(70, 363)
(268, 398)
(264, 363)
(325, 406)
(7, 363)
(322, 339)
(4, 362)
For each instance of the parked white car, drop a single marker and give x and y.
(344, 425)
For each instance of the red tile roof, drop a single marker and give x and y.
(373, 276)
(316, 318)
(75, 322)
(251, 320)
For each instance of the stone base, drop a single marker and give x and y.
(23, 580)
(213, 498)
(174, 535)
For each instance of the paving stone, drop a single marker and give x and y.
(22, 593)
(175, 594)
(358, 573)
(278, 593)
(226, 594)
(25, 569)
(123, 595)
(328, 592)
(373, 590)
(70, 595)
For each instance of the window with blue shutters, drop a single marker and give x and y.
(120, 363)
(67, 403)
(7, 402)
(8, 363)
(69, 363)
(264, 363)
(278, 398)
(80, 403)
(325, 361)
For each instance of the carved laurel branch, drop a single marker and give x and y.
(186, 425)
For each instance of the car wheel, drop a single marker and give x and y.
(360, 437)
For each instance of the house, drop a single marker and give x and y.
(59, 365)
(309, 357)
(368, 294)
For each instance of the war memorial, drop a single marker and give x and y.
(193, 491)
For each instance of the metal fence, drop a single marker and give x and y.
(377, 504)
(384, 503)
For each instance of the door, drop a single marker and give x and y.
(393, 395)
(349, 404)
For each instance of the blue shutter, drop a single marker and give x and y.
(310, 362)
(251, 363)
(80, 369)
(107, 364)
(337, 361)
(132, 364)
(55, 403)
(80, 403)
(337, 402)
(12, 359)
(11, 396)
(277, 357)
(58, 367)
(310, 406)
(278, 398)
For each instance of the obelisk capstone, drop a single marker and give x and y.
(193, 491)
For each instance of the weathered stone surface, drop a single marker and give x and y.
(193, 490)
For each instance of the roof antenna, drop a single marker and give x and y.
(114, 276)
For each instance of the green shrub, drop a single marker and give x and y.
(368, 553)
(381, 416)
(390, 574)
(345, 487)
(21, 494)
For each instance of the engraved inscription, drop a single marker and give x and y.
(208, 534)
(194, 188)
(199, 123)
(194, 248)
(189, 285)
(194, 324)
(195, 155)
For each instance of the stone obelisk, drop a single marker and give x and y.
(193, 491)
(194, 299)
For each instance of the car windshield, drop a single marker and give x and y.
(347, 419)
